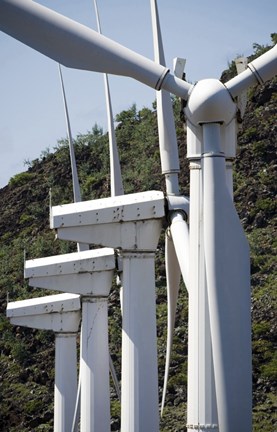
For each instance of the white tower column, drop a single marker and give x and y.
(65, 381)
(201, 406)
(139, 390)
(94, 364)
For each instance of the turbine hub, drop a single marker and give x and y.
(210, 102)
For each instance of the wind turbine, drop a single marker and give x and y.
(201, 392)
(131, 224)
(212, 200)
(209, 110)
(77, 198)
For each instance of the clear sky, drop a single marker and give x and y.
(208, 34)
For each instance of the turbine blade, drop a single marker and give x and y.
(173, 276)
(76, 415)
(241, 66)
(97, 17)
(228, 285)
(116, 178)
(179, 66)
(75, 180)
(166, 125)
(180, 236)
(157, 36)
(115, 170)
(114, 378)
(77, 46)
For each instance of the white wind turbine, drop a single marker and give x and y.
(209, 110)
(78, 198)
(131, 224)
(201, 392)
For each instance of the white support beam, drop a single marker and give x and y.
(59, 313)
(78, 272)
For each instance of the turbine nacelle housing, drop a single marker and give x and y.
(210, 102)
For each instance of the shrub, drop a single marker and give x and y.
(21, 179)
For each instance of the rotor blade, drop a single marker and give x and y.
(258, 71)
(173, 276)
(76, 415)
(180, 236)
(241, 66)
(114, 378)
(228, 285)
(157, 36)
(179, 67)
(77, 46)
(116, 178)
(75, 180)
(166, 125)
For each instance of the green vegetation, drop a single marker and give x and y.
(27, 356)
(21, 179)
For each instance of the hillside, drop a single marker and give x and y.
(27, 356)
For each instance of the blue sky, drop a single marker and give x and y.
(208, 34)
